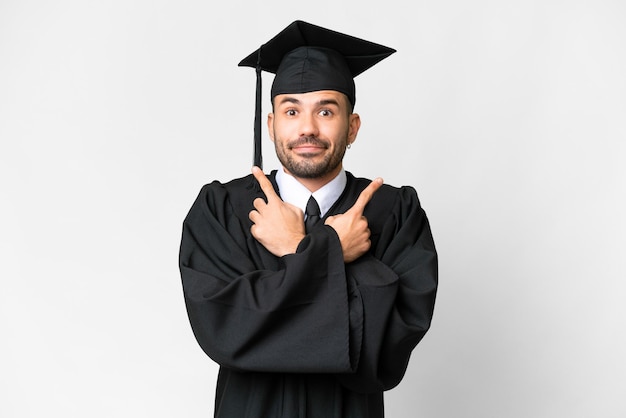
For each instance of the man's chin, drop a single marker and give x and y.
(307, 171)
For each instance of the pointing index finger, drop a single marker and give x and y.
(366, 195)
(264, 182)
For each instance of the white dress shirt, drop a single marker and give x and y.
(295, 193)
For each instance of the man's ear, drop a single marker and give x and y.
(353, 127)
(270, 125)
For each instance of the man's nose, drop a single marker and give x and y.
(308, 125)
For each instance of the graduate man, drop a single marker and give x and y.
(310, 287)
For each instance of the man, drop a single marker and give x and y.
(309, 287)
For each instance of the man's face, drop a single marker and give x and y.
(310, 132)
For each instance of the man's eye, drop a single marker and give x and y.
(325, 112)
(291, 112)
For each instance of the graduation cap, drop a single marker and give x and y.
(308, 58)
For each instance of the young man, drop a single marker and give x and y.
(309, 287)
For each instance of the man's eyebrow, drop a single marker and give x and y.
(289, 99)
(325, 102)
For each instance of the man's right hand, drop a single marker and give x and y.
(352, 227)
(277, 225)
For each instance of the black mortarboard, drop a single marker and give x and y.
(307, 58)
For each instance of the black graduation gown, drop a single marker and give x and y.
(306, 335)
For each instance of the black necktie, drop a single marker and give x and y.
(312, 214)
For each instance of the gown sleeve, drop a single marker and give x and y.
(403, 259)
(291, 317)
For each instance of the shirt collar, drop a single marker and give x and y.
(295, 193)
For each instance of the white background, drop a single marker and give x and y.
(507, 116)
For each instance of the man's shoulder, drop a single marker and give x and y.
(245, 184)
(241, 186)
(236, 184)
(235, 195)
(386, 192)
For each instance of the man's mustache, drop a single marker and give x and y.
(308, 140)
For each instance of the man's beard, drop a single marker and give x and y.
(306, 168)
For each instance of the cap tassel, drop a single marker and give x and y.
(258, 157)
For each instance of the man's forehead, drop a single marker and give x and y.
(313, 97)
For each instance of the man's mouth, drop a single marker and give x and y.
(309, 145)
(308, 148)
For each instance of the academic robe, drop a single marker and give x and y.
(306, 335)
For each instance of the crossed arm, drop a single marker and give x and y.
(279, 226)
(370, 312)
